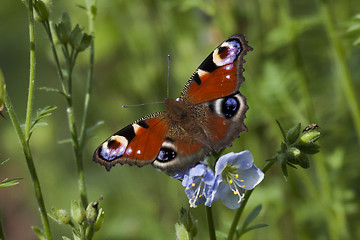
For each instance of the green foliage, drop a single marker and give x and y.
(250, 218)
(354, 29)
(40, 114)
(83, 222)
(8, 182)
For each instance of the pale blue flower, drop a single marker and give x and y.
(199, 184)
(235, 173)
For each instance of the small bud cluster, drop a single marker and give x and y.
(83, 221)
(297, 146)
(77, 38)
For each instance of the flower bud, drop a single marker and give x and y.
(187, 220)
(293, 134)
(85, 42)
(92, 212)
(76, 36)
(309, 137)
(61, 33)
(77, 211)
(292, 154)
(41, 11)
(60, 215)
(99, 220)
(181, 232)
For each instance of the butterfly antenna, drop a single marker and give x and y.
(167, 90)
(141, 104)
(168, 78)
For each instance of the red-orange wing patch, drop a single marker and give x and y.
(220, 75)
(136, 144)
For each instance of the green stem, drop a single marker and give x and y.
(2, 235)
(70, 63)
(77, 152)
(53, 48)
(89, 81)
(210, 223)
(243, 204)
(31, 166)
(346, 81)
(32, 70)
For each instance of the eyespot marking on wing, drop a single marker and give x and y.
(113, 148)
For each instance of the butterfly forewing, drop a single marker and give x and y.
(221, 73)
(138, 143)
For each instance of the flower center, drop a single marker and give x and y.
(236, 184)
(198, 191)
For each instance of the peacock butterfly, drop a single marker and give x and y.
(208, 116)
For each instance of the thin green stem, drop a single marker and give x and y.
(31, 166)
(210, 223)
(347, 83)
(2, 235)
(243, 204)
(91, 19)
(32, 70)
(53, 48)
(70, 63)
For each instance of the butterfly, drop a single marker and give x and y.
(208, 116)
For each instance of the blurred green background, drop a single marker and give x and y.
(304, 68)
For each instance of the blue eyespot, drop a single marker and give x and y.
(230, 107)
(166, 154)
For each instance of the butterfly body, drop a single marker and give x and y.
(208, 115)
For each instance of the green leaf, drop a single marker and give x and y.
(80, 6)
(65, 238)
(354, 28)
(91, 129)
(4, 161)
(41, 113)
(68, 140)
(39, 233)
(221, 234)
(47, 89)
(254, 213)
(356, 42)
(281, 129)
(253, 228)
(8, 183)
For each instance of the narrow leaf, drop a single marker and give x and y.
(41, 113)
(90, 130)
(4, 161)
(253, 214)
(69, 140)
(11, 182)
(253, 228)
(281, 129)
(39, 233)
(47, 89)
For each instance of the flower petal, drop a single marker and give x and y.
(252, 177)
(228, 198)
